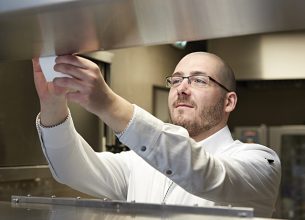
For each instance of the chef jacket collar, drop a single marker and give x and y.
(218, 141)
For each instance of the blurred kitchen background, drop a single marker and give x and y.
(268, 62)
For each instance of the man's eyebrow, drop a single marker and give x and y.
(177, 74)
(198, 73)
(191, 73)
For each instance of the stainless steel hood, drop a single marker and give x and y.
(47, 27)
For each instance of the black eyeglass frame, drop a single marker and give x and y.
(189, 81)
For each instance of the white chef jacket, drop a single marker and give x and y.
(166, 165)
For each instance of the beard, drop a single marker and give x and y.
(209, 117)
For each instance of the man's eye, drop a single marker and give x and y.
(176, 81)
(199, 80)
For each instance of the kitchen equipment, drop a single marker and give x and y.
(288, 142)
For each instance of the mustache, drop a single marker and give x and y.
(184, 101)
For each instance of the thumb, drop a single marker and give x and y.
(36, 65)
(38, 74)
(39, 79)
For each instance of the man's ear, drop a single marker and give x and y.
(230, 101)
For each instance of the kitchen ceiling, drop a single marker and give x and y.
(48, 27)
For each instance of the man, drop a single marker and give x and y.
(192, 161)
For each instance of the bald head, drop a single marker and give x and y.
(217, 66)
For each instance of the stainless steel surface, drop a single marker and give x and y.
(38, 28)
(61, 212)
(110, 210)
(132, 207)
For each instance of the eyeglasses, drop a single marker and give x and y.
(198, 81)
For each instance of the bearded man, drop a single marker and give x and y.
(193, 160)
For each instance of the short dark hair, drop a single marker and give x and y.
(226, 74)
(228, 77)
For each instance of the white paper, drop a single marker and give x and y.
(47, 67)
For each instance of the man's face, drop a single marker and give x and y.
(196, 109)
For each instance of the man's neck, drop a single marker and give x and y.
(208, 133)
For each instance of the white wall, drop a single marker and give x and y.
(267, 56)
(134, 71)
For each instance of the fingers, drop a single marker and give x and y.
(74, 60)
(86, 85)
(74, 71)
(84, 73)
(71, 84)
(39, 78)
(37, 70)
(36, 65)
(78, 92)
(38, 75)
(76, 67)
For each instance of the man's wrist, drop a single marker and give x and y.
(53, 125)
(120, 134)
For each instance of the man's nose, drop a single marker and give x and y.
(183, 88)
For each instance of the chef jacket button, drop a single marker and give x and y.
(143, 148)
(168, 172)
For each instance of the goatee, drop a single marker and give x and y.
(209, 117)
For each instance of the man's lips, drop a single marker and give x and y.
(183, 105)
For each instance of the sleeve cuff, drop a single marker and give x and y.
(142, 131)
(119, 135)
(38, 121)
(56, 136)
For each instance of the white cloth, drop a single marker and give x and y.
(215, 171)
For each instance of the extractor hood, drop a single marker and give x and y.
(47, 27)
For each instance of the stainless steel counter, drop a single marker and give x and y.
(30, 208)
(43, 208)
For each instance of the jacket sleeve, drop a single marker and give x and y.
(239, 175)
(73, 162)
